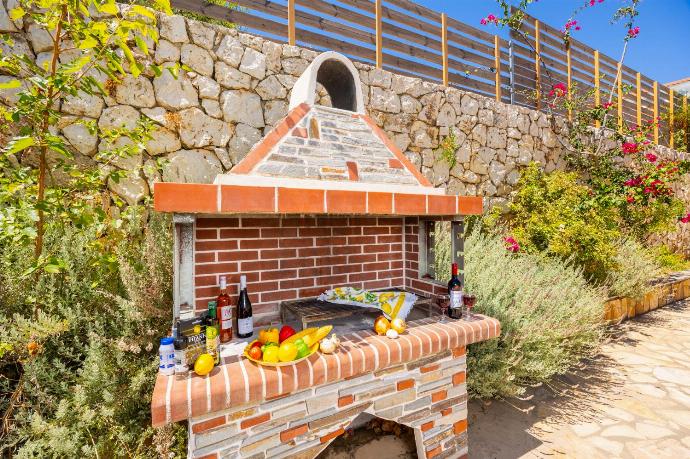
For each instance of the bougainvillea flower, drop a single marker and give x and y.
(651, 157)
(633, 182)
(685, 219)
(630, 199)
(490, 19)
(511, 244)
(630, 148)
(607, 105)
(558, 90)
(632, 33)
(592, 2)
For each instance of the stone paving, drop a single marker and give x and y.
(630, 401)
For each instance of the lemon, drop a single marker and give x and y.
(203, 364)
(287, 352)
(271, 354)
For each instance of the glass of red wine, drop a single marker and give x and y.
(468, 300)
(444, 303)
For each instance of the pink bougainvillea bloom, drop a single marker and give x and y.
(490, 19)
(558, 90)
(512, 244)
(651, 157)
(633, 181)
(630, 148)
(607, 105)
(632, 33)
(685, 219)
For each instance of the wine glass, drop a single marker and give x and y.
(444, 303)
(468, 300)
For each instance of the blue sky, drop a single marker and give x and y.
(662, 51)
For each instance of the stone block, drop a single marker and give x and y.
(398, 398)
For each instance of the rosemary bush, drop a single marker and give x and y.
(550, 316)
(635, 268)
(87, 386)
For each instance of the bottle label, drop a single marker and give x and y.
(225, 314)
(245, 326)
(456, 298)
(226, 324)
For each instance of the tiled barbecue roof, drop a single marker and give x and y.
(321, 160)
(332, 144)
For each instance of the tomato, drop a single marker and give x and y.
(255, 353)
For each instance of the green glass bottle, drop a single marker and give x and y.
(213, 333)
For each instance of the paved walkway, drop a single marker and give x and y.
(631, 401)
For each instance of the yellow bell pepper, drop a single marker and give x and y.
(269, 335)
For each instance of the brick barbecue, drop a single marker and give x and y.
(326, 199)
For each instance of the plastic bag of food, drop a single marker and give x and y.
(391, 304)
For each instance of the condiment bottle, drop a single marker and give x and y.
(166, 353)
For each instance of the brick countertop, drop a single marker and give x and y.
(238, 381)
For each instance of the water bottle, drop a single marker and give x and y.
(166, 352)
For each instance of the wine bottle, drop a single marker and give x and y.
(224, 311)
(455, 293)
(212, 332)
(245, 321)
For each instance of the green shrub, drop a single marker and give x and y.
(88, 390)
(550, 317)
(554, 215)
(670, 261)
(635, 267)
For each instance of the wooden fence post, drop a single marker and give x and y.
(444, 47)
(537, 68)
(686, 125)
(597, 94)
(670, 118)
(619, 94)
(639, 99)
(570, 81)
(379, 36)
(292, 38)
(497, 66)
(656, 112)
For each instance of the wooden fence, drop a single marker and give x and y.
(410, 39)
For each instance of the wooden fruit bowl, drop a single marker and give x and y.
(314, 348)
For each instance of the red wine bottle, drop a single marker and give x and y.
(245, 322)
(455, 293)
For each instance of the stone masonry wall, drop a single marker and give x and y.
(428, 394)
(239, 88)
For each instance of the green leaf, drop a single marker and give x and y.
(12, 84)
(141, 44)
(138, 9)
(109, 8)
(51, 269)
(18, 144)
(17, 13)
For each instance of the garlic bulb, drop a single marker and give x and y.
(392, 334)
(335, 339)
(327, 345)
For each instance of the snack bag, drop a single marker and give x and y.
(392, 304)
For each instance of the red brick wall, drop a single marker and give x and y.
(285, 258)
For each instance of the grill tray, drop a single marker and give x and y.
(311, 310)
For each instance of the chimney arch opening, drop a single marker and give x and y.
(337, 75)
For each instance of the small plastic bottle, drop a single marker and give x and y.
(166, 352)
(181, 364)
